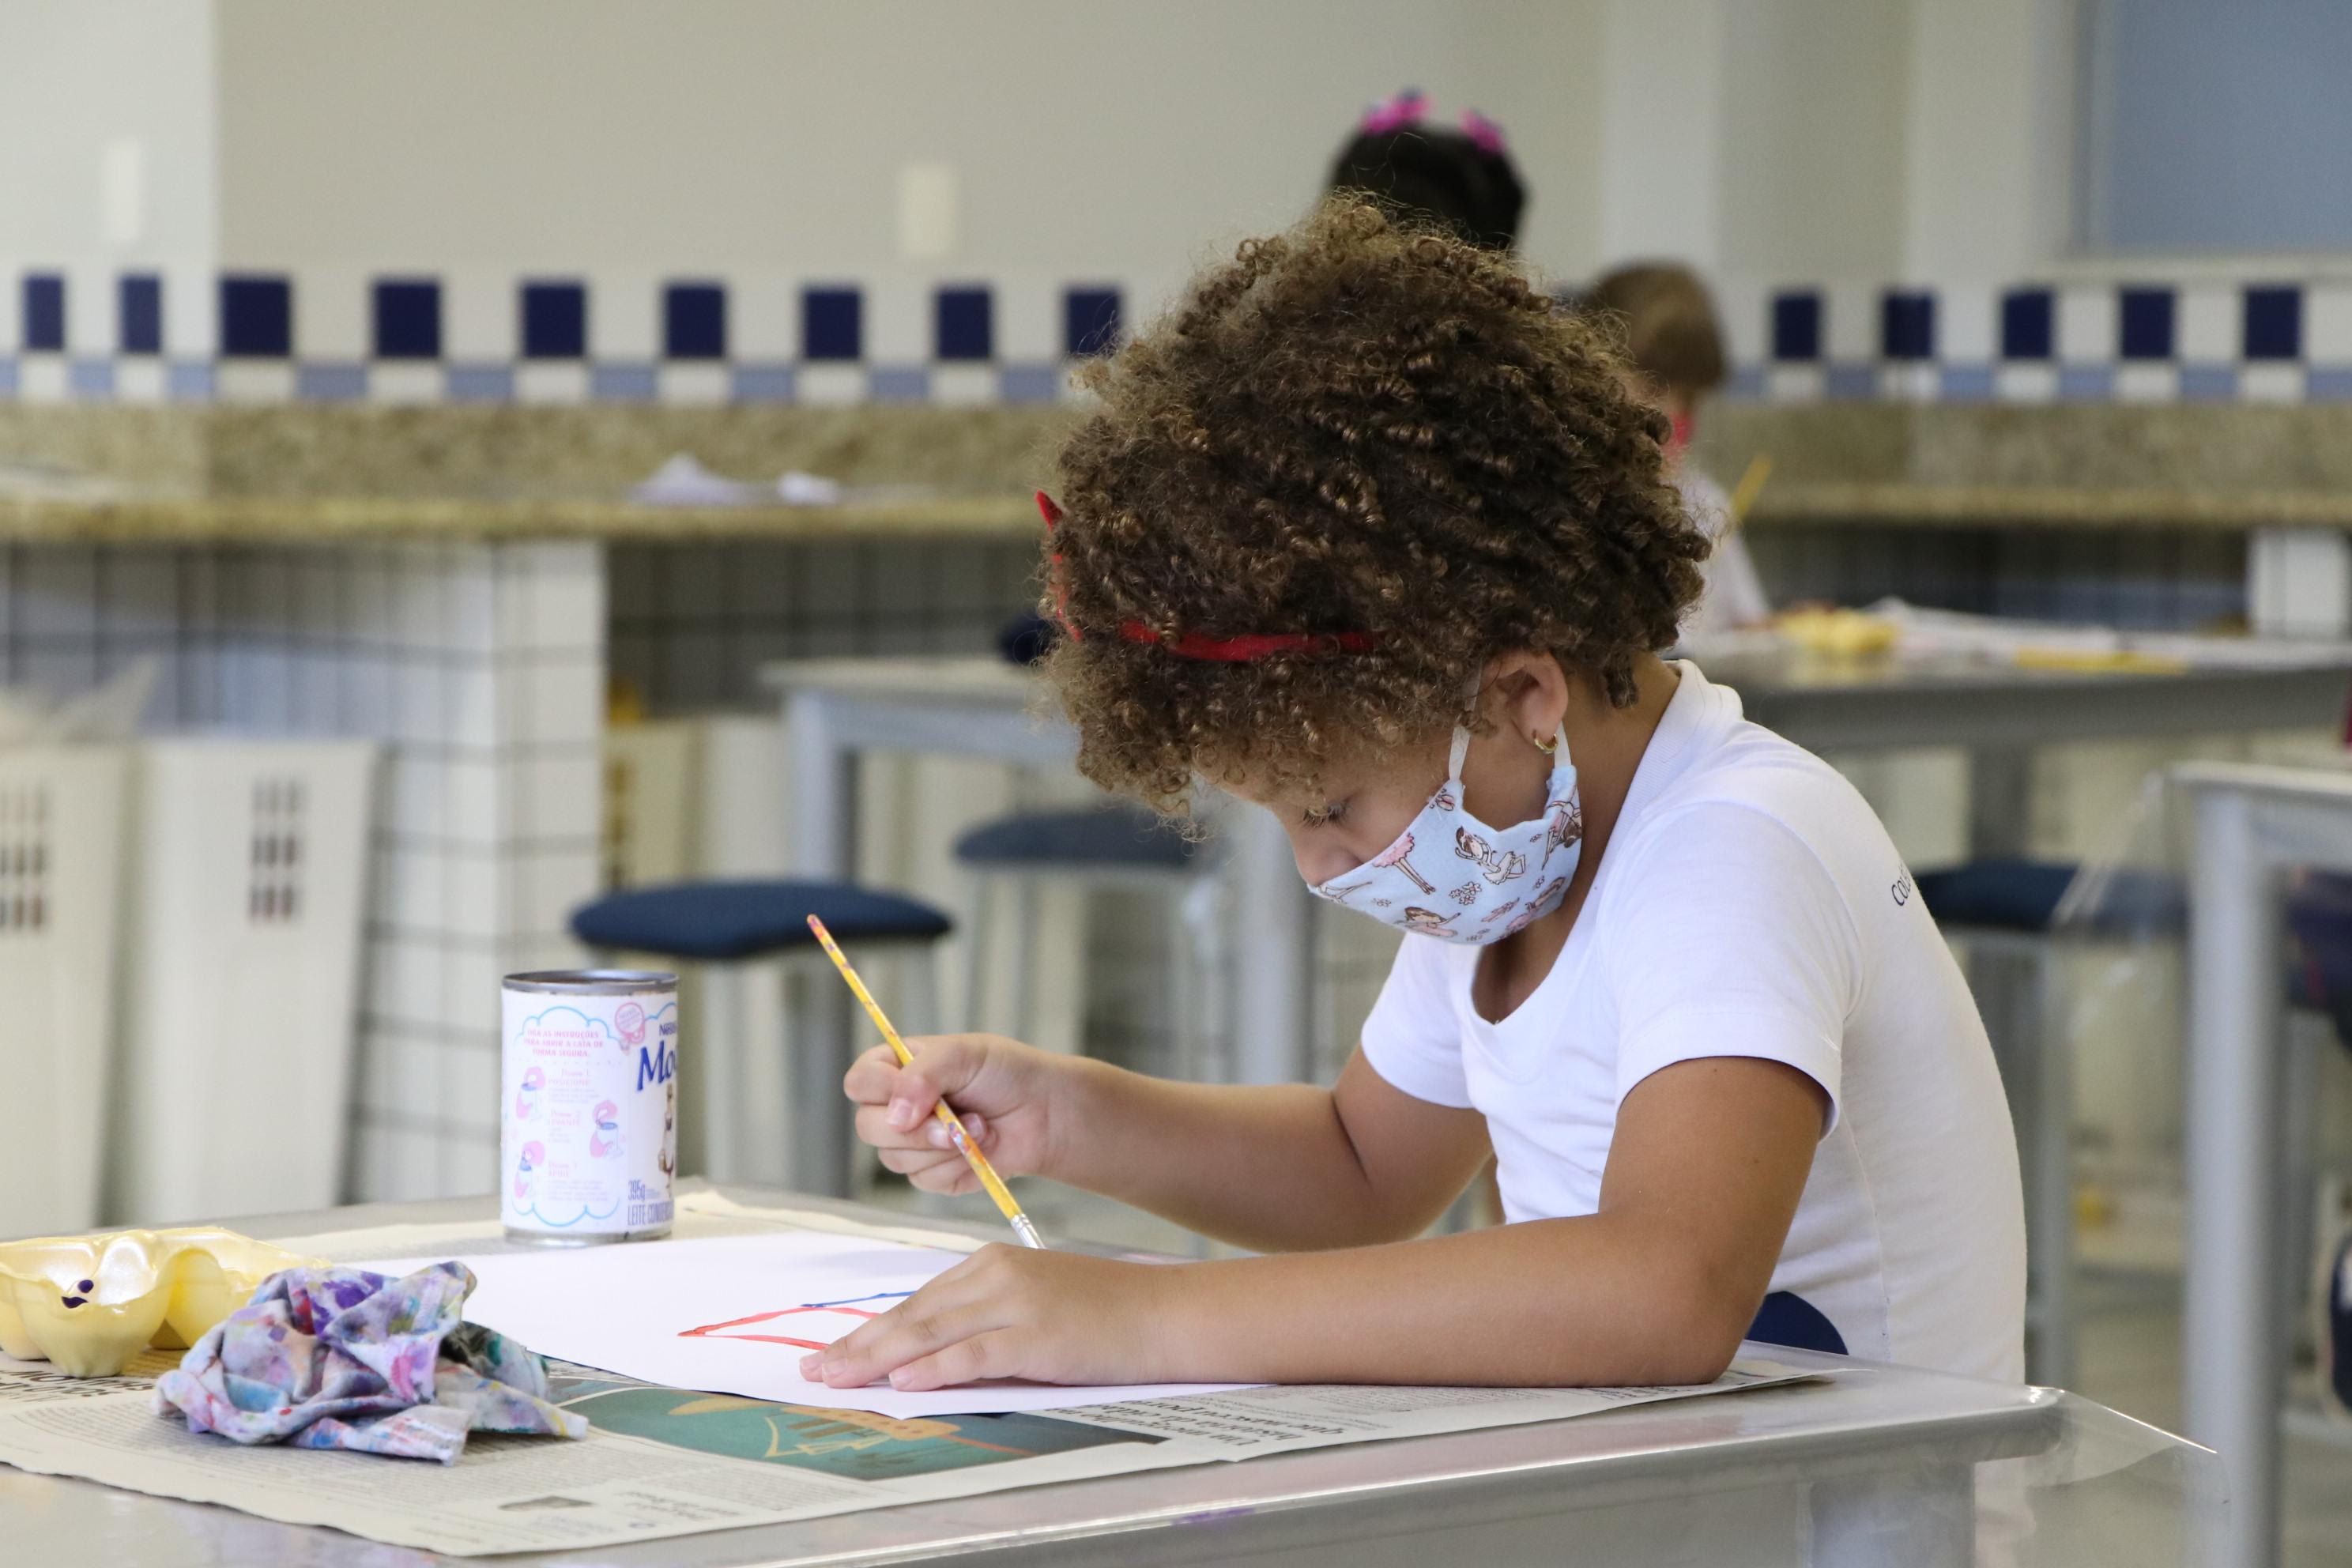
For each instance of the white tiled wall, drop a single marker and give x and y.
(487, 845)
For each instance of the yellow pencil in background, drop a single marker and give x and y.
(1750, 486)
(1023, 1226)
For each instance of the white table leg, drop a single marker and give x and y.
(2232, 1360)
(1271, 951)
(823, 848)
(822, 807)
(2001, 803)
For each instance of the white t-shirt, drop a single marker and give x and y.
(1750, 904)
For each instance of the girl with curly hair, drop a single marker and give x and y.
(1369, 533)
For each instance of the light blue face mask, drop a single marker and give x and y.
(1449, 875)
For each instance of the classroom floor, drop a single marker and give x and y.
(2130, 1355)
(2131, 1363)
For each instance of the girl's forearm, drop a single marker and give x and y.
(1266, 1167)
(1547, 1303)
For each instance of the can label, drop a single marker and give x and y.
(589, 1119)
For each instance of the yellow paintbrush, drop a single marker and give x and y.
(1023, 1226)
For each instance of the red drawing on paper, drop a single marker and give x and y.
(810, 1317)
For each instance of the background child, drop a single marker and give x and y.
(1463, 179)
(1369, 533)
(1672, 337)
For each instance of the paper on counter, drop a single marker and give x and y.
(662, 1463)
(735, 1314)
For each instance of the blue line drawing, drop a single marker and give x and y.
(853, 1300)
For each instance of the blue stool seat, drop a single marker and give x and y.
(2023, 895)
(722, 920)
(1025, 639)
(1109, 837)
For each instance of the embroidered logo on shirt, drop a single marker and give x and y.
(1903, 889)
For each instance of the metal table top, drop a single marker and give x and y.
(1869, 1421)
(1827, 702)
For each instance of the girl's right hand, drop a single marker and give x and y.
(1007, 1094)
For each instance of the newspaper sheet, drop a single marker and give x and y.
(665, 1462)
(662, 1462)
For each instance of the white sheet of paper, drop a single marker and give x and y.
(735, 1314)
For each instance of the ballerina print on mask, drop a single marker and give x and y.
(1567, 821)
(1429, 923)
(1394, 856)
(1499, 867)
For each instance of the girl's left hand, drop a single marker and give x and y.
(1012, 1312)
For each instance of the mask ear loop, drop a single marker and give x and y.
(1454, 759)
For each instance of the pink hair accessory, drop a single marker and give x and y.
(1484, 133)
(1405, 109)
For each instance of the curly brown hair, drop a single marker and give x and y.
(1354, 426)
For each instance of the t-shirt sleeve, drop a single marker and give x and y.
(1730, 938)
(1412, 1037)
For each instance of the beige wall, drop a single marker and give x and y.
(75, 79)
(1116, 139)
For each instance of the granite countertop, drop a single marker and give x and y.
(326, 474)
(333, 519)
(1916, 505)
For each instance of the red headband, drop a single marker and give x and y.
(1244, 649)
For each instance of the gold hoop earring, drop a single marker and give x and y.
(1546, 747)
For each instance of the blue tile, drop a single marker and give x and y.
(766, 383)
(963, 325)
(1796, 325)
(138, 313)
(1030, 384)
(1850, 383)
(188, 381)
(623, 383)
(554, 320)
(2087, 383)
(1090, 321)
(2328, 384)
(329, 383)
(1965, 383)
(899, 383)
(2209, 384)
(1906, 324)
(2273, 322)
(90, 378)
(479, 383)
(832, 323)
(1747, 384)
(407, 318)
(694, 321)
(2029, 323)
(45, 313)
(257, 317)
(7, 377)
(2144, 323)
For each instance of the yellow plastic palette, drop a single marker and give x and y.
(89, 1303)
